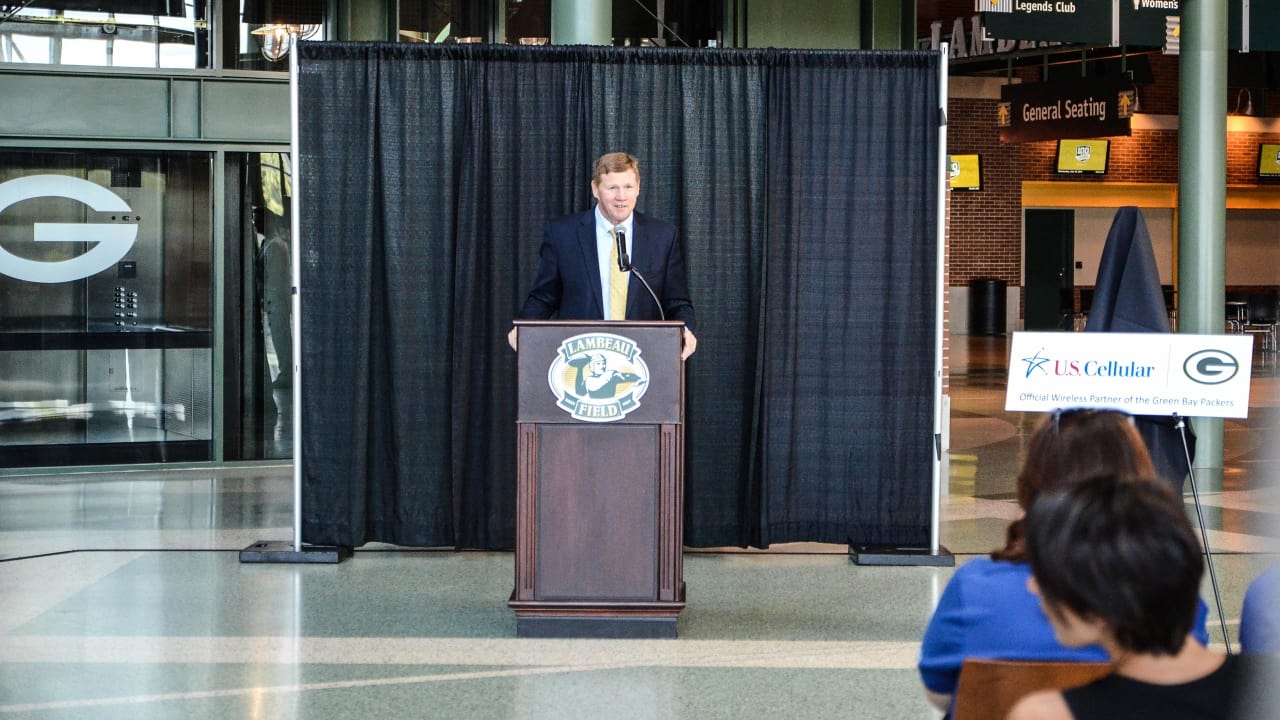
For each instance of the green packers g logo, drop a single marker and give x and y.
(598, 377)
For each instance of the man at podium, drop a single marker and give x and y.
(610, 262)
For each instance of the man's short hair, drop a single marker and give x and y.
(1119, 548)
(615, 162)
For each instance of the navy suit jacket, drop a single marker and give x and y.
(567, 285)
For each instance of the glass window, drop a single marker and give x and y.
(268, 31)
(432, 21)
(260, 306)
(527, 21)
(661, 23)
(159, 33)
(143, 34)
(106, 280)
(667, 23)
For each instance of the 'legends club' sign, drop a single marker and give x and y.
(1085, 21)
(1099, 107)
(1148, 23)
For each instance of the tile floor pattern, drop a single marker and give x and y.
(122, 597)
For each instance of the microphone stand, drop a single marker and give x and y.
(1204, 535)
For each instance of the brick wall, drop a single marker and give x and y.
(1242, 157)
(1148, 156)
(1161, 96)
(985, 238)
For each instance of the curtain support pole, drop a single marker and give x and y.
(265, 551)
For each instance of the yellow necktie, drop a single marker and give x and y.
(617, 282)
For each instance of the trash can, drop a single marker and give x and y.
(986, 306)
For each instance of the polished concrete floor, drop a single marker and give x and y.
(121, 596)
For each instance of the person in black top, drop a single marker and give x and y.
(1115, 562)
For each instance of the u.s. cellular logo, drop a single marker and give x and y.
(1004, 6)
(598, 377)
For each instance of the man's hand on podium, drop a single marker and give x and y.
(690, 344)
(511, 338)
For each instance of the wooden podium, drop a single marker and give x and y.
(599, 479)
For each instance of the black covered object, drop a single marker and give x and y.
(804, 186)
(987, 306)
(1128, 298)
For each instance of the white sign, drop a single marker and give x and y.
(1140, 373)
(111, 241)
(598, 377)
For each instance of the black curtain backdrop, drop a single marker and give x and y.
(804, 184)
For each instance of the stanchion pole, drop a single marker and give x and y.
(294, 552)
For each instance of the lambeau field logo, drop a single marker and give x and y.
(598, 377)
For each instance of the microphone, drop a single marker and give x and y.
(624, 262)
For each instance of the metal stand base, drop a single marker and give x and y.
(284, 552)
(890, 555)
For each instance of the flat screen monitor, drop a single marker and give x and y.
(1076, 157)
(964, 172)
(1269, 160)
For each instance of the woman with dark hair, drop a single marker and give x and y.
(1115, 563)
(986, 610)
